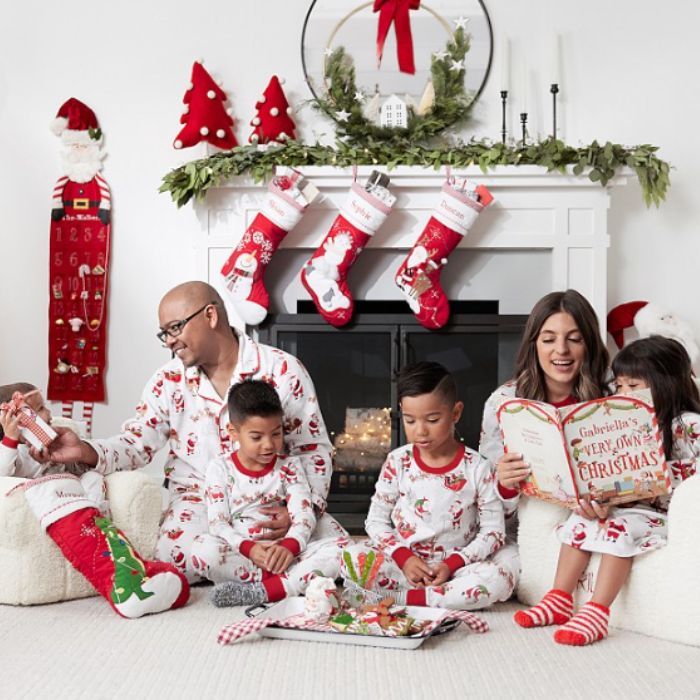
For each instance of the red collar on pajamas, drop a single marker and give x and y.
(249, 472)
(459, 456)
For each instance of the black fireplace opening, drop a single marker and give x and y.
(354, 373)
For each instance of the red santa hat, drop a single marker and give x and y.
(651, 319)
(75, 122)
(622, 317)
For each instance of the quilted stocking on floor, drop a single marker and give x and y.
(101, 552)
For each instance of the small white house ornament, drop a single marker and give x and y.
(394, 112)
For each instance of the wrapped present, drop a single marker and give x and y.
(34, 429)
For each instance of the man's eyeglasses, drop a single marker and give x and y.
(175, 328)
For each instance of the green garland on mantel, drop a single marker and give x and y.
(599, 162)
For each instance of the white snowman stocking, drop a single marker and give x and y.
(286, 200)
(325, 274)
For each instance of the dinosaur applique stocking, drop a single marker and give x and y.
(101, 552)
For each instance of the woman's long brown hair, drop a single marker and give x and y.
(529, 377)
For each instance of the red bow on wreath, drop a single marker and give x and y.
(396, 11)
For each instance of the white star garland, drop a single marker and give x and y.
(461, 22)
(440, 55)
(457, 65)
(342, 116)
(359, 96)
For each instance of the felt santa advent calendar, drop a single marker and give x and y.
(78, 263)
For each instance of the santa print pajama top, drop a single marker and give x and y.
(449, 514)
(234, 496)
(180, 408)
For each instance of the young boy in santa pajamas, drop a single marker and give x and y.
(435, 519)
(234, 553)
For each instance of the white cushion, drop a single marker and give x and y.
(659, 598)
(32, 568)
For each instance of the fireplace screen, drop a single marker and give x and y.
(353, 370)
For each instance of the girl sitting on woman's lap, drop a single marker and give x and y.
(621, 533)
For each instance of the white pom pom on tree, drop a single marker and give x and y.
(273, 121)
(205, 115)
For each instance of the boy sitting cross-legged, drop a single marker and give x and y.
(234, 554)
(435, 520)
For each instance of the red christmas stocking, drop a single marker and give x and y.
(419, 275)
(243, 272)
(325, 274)
(102, 553)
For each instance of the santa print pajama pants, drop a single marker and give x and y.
(212, 558)
(472, 587)
(186, 519)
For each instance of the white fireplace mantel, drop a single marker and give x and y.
(549, 224)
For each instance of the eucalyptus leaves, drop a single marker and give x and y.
(597, 162)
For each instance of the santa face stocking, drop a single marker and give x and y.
(419, 275)
(102, 553)
(325, 274)
(286, 200)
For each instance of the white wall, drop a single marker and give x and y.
(629, 75)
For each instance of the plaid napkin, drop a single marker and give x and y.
(231, 633)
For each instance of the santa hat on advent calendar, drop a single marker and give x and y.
(651, 319)
(75, 122)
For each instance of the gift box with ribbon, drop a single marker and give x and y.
(34, 429)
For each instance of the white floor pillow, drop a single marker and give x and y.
(661, 596)
(32, 568)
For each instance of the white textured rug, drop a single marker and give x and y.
(81, 649)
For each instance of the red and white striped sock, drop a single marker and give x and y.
(588, 625)
(555, 608)
(88, 408)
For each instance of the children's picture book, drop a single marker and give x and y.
(609, 448)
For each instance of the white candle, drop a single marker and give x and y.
(523, 97)
(556, 60)
(505, 64)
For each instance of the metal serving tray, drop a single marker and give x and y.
(295, 606)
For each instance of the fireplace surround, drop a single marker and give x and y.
(544, 232)
(354, 372)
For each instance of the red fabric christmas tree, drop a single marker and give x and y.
(205, 117)
(273, 121)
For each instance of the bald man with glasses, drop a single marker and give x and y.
(184, 406)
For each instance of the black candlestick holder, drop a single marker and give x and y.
(504, 101)
(554, 89)
(523, 122)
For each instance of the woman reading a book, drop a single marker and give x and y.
(621, 533)
(562, 360)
